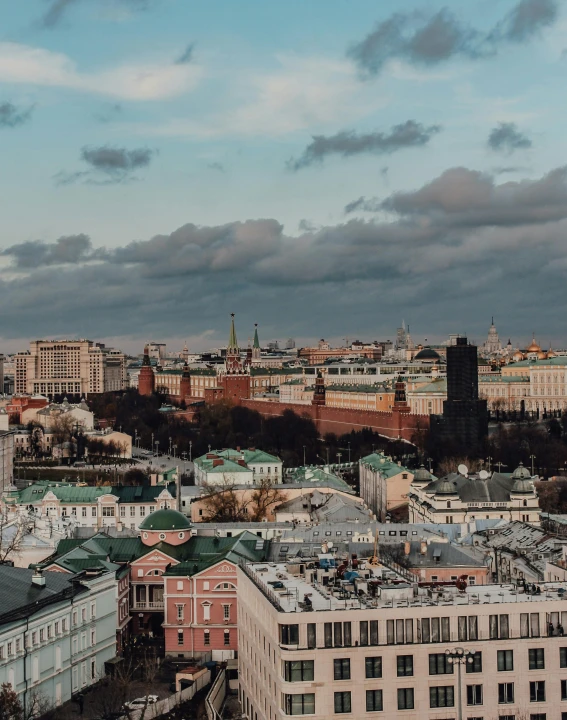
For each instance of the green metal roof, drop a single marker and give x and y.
(387, 467)
(435, 386)
(318, 478)
(165, 519)
(75, 495)
(207, 551)
(358, 387)
(559, 360)
(504, 378)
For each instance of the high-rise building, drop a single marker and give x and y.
(492, 345)
(465, 417)
(69, 367)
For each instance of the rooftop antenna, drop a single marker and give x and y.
(463, 470)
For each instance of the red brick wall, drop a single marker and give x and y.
(342, 420)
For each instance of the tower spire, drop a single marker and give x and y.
(232, 341)
(256, 341)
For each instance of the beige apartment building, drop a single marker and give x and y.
(313, 644)
(73, 367)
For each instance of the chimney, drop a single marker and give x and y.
(217, 462)
(38, 579)
(423, 547)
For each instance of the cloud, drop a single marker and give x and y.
(108, 165)
(67, 250)
(506, 138)
(11, 116)
(109, 112)
(348, 142)
(444, 254)
(425, 39)
(187, 55)
(25, 65)
(57, 10)
(363, 205)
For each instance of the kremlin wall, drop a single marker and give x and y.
(233, 384)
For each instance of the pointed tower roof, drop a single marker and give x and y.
(256, 341)
(232, 341)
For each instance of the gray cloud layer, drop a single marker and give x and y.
(423, 39)
(506, 137)
(450, 253)
(108, 165)
(187, 55)
(12, 116)
(348, 142)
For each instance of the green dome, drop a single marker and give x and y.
(166, 519)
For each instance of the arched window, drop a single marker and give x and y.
(225, 586)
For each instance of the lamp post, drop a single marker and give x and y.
(430, 461)
(157, 448)
(152, 445)
(169, 446)
(304, 455)
(489, 461)
(459, 657)
(500, 465)
(174, 451)
(191, 450)
(532, 458)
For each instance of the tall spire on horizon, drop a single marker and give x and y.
(232, 341)
(256, 341)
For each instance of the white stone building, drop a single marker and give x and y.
(306, 648)
(237, 467)
(6, 460)
(56, 632)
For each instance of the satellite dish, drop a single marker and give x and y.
(463, 469)
(330, 544)
(483, 475)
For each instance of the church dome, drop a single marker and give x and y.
(521, 473)
(551, 354)
(517, 356)
(534, 347)
(427, 354)
(445, 487)
(422, 475)
(165, 520)
(542, 355)
(522, 487)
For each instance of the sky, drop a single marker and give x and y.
(323, 169)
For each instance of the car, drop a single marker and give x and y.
(141, 702)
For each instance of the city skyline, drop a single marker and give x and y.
(170, 164)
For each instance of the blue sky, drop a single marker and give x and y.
(171, 145)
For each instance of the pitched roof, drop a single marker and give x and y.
(73, 494)
(441, 554)
(317, 476)
(384, 465)
(19, 597)
(472, 489)
(203, 552)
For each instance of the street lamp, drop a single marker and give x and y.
(532, 458)
(169, 446)
(459, 657)
(157, 448)
(174, 451)
(191, 449)
(430, 461)
(152, 445)
(489, 461)
(304, 455)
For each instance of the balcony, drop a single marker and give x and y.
(149, 605)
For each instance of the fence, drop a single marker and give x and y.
(215, 698)
(171, 702)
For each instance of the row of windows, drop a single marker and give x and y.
(426, 630)
(442, 696)
(304, 670)
(37, 637)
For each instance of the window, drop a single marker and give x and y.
(541, 716)
(93, 669)
(311, 635)
(289, 634)
(505, 693)
(226, 612)
(328, 628)
(299, 704)
(132, 511)
(474, 694)
(57, 627)
(41, 635)
(142, 510)
(122, 511)
(563, 657)
(342, 702)
(443, 696)
(298, 670)
(537, 691)
(374, 632)
(108, 512)
(93, 638)
(83, 614)
(374, 701)
(364, 632)
(338, 634)
(207, 638)
(341, 669)
(206, 611)
(564, 689)
(439, 664)
(180, 637)
(180, 609)
(505, 660)
(476, 665)
(405, 665)
(93, 511)
(227, 637)
(84, 512)
(405, 698)
(373, 666)
(499, 627)
(536, 659)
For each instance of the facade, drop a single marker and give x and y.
(241, 467)
(457, 498)
(76, 415)
(6, 460)
(69, 367)
(360, 397)
(304, 651)
(56, 631)
(323, 351)
(384, 484)
(428, 398)
(63, 504)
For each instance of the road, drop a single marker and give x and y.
(162, 462)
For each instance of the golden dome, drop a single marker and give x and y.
(551, 354)
(534, 347)
(518, 356)
(542, 355)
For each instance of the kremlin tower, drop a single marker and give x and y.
(146, 378)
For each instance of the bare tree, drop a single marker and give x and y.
(37, 705)
(451, 464)
(10, 707)
(12, 534)
(227, 502)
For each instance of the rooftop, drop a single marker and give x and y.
(368, 588)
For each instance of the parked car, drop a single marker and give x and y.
(141, 702)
